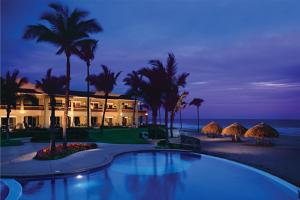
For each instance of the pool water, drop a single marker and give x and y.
(161, 175)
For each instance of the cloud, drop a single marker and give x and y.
(273, 84)
(199, 82)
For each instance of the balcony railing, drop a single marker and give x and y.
(27, 107)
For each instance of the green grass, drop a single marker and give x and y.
(118, 135)
(110, 135)
(6, 143)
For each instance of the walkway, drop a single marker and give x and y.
(17, 160)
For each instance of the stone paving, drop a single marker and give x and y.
(17, 160)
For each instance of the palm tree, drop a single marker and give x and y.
(10, 86)
(65, 30)
(180, 104)
(133, 80)
(169, 82)
(175, 105)
(87, 50)
(104, 82)
(197, 102)
(151, 90)
(51, 85)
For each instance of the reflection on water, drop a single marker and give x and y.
(159, 175)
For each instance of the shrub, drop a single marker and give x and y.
(45, 154)
(156, 132)
(73, 134)
(162, 144)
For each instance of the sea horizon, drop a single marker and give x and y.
(290, 127)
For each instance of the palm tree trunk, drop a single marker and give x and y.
(171, 123)
(88, 95)
(66, 107)
(166, 123)
(52, 126)
(198, 119)
(159, 115)
(180, 119)
(154, 116)
(103, 116)
(8, 110)
(134, 110)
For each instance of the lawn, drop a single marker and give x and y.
(11, 142)
(109, 135)
(118, 135)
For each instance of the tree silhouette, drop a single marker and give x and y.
(65, 30)
(104, 82)
(52, 86)
(182, 106)
(197, 102)
(10, 86)
(87, 50)
(151, 90)
(133, 80)
(177, 105)
(170, 83)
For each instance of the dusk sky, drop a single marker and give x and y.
(243, 56)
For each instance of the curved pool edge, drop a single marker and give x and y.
(110, 158)
(15, 189)
(276, 179)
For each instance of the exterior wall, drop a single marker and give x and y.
(119, 110)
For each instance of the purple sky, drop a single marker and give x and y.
(243, 56)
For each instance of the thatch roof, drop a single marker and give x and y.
(212, 128)
(234, 129)
(261, 130)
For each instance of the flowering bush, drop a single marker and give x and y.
(45, 153)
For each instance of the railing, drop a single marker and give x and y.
(79, 108)
(127, 110)
(27, 107)
(111, 110)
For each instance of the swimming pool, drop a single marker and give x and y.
(163, 175)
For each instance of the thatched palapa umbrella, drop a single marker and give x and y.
(235, 130)
(261, 131)
(212, 129)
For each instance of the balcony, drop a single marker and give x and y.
(79, 108)
(111, 109)
(127, 109)
(27, 107)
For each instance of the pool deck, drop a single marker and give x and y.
(17, 161)
(282, 160)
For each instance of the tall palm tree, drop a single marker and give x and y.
(170, 83)
(133, 80)
(197, 102)
(104, 82)
(52, 85)
(151, 90)
(10, 86)
(65, 30)
(175, 105)
(87, 50)
(180, 104)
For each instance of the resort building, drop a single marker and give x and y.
(33, 110)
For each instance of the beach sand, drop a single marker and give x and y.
(282, 159)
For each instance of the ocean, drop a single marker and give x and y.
(284, 127)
